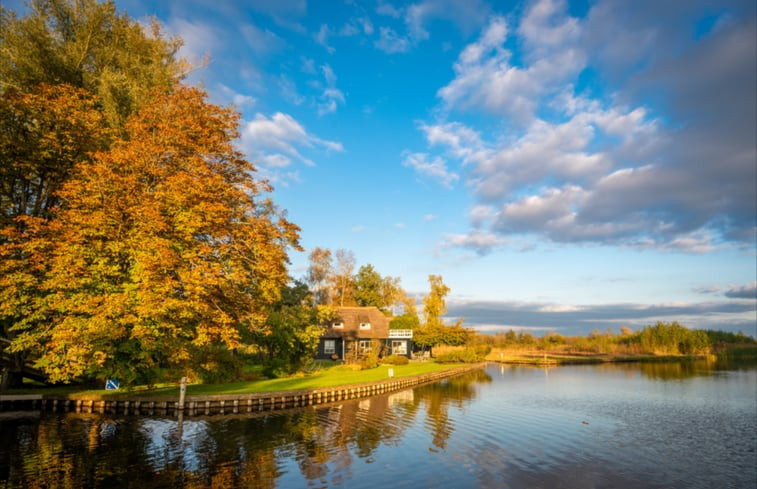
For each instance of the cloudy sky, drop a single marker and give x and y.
(563, 165)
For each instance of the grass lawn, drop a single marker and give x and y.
(324, 376)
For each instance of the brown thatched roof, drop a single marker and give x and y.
(352, 317)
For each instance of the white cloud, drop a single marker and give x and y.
(481, 214)
(389, 10)
(546, 27)
(308, 66)
(485, 79)
(390, 42)
(322, 38)
(571, 319)
(482, 242)
(262, 42)
(331, 96)
(288, 90)
(199, 39)
(276, 141)
(569, 166)
(460, 140)
(435, 169)
(239, 100)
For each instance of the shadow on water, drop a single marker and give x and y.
(77, 450)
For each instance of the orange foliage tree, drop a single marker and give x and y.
(164, 248)
(44, 133)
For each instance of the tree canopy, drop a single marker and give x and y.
(87, 44)
(163, 246)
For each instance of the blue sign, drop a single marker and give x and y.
(111, 385)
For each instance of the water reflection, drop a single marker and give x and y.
(624, 426)
(685, 369)
(78, 450)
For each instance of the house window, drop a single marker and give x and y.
(365, 325)
(365, 346)
(329, 347)
(337, 324)
(399, 348)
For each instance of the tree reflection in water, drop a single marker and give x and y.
(76, 450)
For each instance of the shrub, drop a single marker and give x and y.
(395, 360)
(213, 365)
(460, 356)
(369, 361)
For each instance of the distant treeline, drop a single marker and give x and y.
(659, 339)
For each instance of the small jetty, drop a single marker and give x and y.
(205, 405)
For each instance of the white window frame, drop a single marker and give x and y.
(337, 325)
(364, 346)
(364, 326)
(402, 350)
(329, 350)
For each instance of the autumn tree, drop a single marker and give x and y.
(409, 318)
(343, 283)
(68, 69)
(87, 44)
(43, 134)
(319, 274)
(164, 247)
(434, 304)
(434, 332)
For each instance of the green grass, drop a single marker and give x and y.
(323, 375)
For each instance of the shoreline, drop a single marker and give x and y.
(531, 358)
(207, 404)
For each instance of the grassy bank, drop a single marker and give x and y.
(324, 375)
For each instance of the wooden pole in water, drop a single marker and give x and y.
(182, 394)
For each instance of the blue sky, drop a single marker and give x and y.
(563, 165)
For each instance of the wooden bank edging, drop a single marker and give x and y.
(196, 405)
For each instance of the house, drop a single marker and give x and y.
(359, 330)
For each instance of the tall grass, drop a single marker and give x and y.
(659, 339)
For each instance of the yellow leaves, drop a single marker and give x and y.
(160, 247)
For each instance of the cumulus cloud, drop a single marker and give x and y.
(276, 142)
(481, 242)
(569, 166)
(435, 169)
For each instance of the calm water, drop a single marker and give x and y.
(649, 425)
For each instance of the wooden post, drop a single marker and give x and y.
(182, 394)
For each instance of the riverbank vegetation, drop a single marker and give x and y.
(651, 343)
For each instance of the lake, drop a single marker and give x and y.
(688, 425)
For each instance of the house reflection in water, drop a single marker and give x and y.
(282, 449)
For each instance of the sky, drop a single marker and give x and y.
(564, 166)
